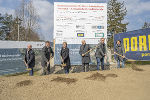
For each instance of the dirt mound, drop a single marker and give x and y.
(0, 91)
(24, 83)
(111, 75)
(134, 67)
(66, 80)
(113, 84)
(2, 80)
(98, 76)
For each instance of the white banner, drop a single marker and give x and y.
(77, 40)
(80, 21)
(20, 44)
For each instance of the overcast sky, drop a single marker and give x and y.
(138, 12)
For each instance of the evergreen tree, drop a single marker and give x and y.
(13, 35)
(28, 22)
(9, 30)
(146, 25)
(116, 13)
(5, 25)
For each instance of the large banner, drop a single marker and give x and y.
(12, 56)
(74, 22)
(75, 58)
(136, 44)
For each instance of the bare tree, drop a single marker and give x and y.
(29, 22)
(32, 18)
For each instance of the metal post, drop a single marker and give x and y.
(18, 30)
(18, 22)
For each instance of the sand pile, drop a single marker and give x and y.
(114, 84)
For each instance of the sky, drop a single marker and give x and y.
(138, 13)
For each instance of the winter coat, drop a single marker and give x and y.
(101, 50)
(30, 58)
(46, 52)
(83, 50)
(65, 56)
(119, 50)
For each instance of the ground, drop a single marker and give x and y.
(113, 84)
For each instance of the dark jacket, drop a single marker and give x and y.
(30, 58)
(101, 50)
(119, 50)
(84, 49)
(46, 52)
(65, 56)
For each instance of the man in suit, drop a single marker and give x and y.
(47, 53)
(100, 54)
(85, 57)
(30, 59)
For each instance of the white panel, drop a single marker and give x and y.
(79, 20)
(20, 44)
(77, 40)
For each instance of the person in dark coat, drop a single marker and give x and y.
(100, 54)
(29, 59)
(65, 57)
(119, 50)
(47, 53)
(85, 57)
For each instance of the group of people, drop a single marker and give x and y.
(47, 54)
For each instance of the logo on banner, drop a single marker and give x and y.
(97, 27)
(80, 34)
(99, 34)
(100, 27)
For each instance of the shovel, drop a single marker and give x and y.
(28, 69)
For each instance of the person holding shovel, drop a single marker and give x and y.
(47, 53)
(29, 59)
(65, 57)
(119, 52)
(100, 53)
(84, 48)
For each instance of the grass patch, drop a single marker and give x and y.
(26, 73)
(16, 74)
(139, 62)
